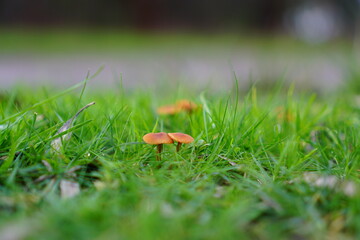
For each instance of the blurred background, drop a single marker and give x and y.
(313, 43)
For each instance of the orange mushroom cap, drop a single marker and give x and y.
(186, 105)
(157, 138)
(168, 110)
(181, 137)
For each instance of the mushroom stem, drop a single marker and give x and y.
(159, 150)
(178, 146)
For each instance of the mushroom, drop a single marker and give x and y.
(181, 138)
(168, 110)
(284, 114)
(157, 139)
(186, 105)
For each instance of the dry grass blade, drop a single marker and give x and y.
(47, 165)
(57, 143)
(43, 177)
(50, 170)
(69, 188)
(73, 169)
(50, 186)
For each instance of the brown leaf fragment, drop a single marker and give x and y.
(69, 188)
(349, 188)
(18, 230)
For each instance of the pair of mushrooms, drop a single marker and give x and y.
(181, 105)
(167, 138)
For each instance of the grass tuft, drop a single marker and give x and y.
(243, 177)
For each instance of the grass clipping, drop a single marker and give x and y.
(56, 144)
(68, 188)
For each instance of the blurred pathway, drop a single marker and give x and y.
(204, 68)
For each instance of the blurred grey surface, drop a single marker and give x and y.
(312, 22)
(214, 68)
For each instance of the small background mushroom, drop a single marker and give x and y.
(168, 110)
(186, 105)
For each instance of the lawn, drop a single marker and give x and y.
(70, 41)
(264, 164)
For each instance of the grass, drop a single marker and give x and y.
(70, 41)
(244, 177)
